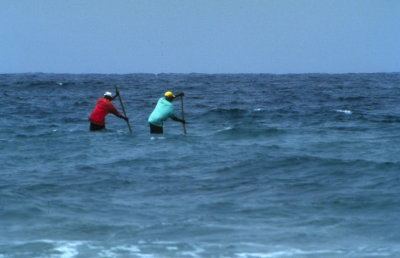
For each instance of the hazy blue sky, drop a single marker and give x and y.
(216, 36)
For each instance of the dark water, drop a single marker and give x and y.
(271, 166)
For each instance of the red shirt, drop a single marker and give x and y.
(103, 107)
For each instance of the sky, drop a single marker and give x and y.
(199, 36)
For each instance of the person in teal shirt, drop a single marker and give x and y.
(163, 110)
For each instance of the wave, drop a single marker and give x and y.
(345, 111)
(243, 132)
(353, 99)
(360, 251)
(170, 248)
(316, 164)
(236, 115)
(46, 84)
(386, 119)
(226, 111)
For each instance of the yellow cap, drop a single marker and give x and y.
(169, 94)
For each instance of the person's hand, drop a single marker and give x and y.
(183, 121)
(181, 94)
(116, 93)
(125, 118)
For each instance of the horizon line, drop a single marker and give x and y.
(194, 73)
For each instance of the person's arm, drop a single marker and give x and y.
(178, 119)
(124, 117)
(112, 109)
(116, 94)
(173, 117)
(120, 116)
(180, 94)
(115, 111)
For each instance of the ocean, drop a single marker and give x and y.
(295, 165)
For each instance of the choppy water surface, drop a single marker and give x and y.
(271, 166)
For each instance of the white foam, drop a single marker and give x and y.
(345, 111)
(127, 249)
(225, 129)
(67, 249)
(157, 138)
(288, 253)
(258, 109)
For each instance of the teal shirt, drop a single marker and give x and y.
(163, 110)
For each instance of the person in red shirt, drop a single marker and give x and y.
(103, 107)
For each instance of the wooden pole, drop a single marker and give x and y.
(183, 116)
(123, 109)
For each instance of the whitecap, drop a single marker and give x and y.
(126, 248)
(117, 250)
(157, 138)
(225, 129)
(345, 111)
(258, 109)
(66, 249)
(288, 253)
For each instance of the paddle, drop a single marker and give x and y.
(183, 116)
(123, 109)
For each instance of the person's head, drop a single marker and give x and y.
(169, 96)
(108, 95)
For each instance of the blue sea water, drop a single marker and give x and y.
(300, 165)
